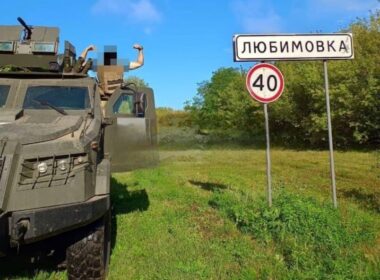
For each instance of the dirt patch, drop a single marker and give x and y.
(208, 223)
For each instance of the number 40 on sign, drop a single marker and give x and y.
(265, 83)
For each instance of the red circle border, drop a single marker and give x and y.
(253, 94)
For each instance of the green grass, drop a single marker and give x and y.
(312, 240)
(202, 215)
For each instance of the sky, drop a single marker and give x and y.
(184, 41)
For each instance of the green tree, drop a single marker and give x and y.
(223, 104)
(354, 90)
(137, 81)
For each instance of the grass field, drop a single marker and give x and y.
(202, 215)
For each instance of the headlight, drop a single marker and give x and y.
(80, 159)
(62, 165)
(42, 167)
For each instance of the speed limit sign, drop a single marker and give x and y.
(265, 82)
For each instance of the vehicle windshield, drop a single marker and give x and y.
(63, 97)
(4, 90)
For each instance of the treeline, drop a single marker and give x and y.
(299, 116)
(168, 117)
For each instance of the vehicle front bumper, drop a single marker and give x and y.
(47, 222)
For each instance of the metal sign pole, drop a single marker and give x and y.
(269, 178)
(332, 169)
(265, 83)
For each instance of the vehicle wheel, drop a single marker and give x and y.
(88, 257)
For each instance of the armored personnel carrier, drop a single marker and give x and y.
(58, 147)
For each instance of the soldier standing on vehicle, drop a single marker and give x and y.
(110, 75)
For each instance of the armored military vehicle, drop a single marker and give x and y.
(58, 146)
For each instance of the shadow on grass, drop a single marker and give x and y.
(370, 201)
(124, 202)
(16, 268)
(207, 186)
(42, 257)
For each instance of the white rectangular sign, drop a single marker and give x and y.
(293, 47)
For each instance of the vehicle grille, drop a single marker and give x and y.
(31, 178)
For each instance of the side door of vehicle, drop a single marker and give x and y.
(131, 137)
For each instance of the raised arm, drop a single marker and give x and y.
(86, 50)
(140, 58)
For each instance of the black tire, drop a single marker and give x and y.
(88, 257)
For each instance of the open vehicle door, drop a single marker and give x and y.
(131, 139)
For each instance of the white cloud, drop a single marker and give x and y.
(132, 10)
(347, 5)
(271, 16)
(257, 16)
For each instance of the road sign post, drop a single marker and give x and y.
(274, 47)
(265, 84)
(332, 169)
(269, 166)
